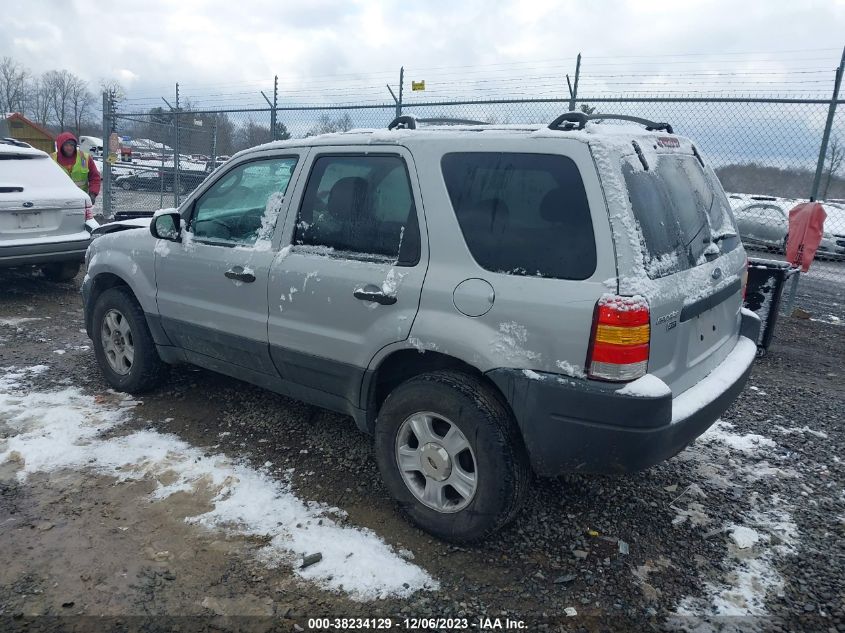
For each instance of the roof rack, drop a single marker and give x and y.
(13, 141)
(406, 122)
(578, 121)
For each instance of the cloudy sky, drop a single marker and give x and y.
(226, 51)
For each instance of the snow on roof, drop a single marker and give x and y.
(6, 148)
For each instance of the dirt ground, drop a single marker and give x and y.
(84, 550)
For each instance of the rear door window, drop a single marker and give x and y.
(361, 206)
(680, 209)
(522, 214)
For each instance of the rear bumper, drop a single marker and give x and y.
(30, 254)
(575, 425)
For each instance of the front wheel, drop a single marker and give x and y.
(450, 453)
(123, 344)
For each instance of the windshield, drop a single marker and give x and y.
(681, 211)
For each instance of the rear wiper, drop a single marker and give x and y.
(723, 236)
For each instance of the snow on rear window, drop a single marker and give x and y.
(33, 171)
(680, 210)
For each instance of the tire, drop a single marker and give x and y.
(61, 271)
(126, 185)
(146, 370)
(495, 453)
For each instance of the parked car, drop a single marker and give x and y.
(140, 180)
(43, 214)
(766, 225)
(158, 180)
(484, 304)
(762, 224)
(833, 242)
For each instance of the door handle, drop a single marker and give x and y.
(239, 274)
(375, 295)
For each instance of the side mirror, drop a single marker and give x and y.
(167, 226)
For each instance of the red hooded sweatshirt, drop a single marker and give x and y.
(94, 179)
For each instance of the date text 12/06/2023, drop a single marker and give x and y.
(416, 624)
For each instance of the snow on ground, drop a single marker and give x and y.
(748, 443)
(67, 429)
(17, 321)
(725, 458)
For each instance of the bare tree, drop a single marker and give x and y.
(81, 102)
(114, 88)
(60, 84)
(38, 100)
(13, 80)
(326, 125)
(835, 157)
(252, 134)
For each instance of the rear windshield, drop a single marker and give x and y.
(32, 171)
(682, 212)
(522, 214)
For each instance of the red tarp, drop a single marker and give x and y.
(806, 227)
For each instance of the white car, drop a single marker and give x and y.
(45, 219)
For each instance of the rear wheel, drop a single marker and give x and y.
(126, 185)
(123, 344)
(61, 271)
(449, 452)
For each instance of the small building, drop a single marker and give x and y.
(18, 127)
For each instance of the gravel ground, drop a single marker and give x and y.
(745, 530)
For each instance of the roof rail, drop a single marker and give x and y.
(407, 122)
(578, 121)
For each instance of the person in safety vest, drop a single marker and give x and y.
(78, 165)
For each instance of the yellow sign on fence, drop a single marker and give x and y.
(418, 85)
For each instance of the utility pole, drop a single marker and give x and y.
(573, 90)
(831, 112)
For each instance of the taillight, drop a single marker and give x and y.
(745, 279)
(89, 210)
(619, 343)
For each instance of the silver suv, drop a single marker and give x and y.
(484, 300)
(44, 217)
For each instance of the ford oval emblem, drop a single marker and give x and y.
(28, 205)
(717, 273)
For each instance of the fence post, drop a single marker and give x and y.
(831, 111)
(107, 121)
(176, 150)
(573, 89)
(214, 143)
(273, 114)
(401, 90)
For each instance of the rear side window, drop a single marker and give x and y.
(522, 214)
(361, 205)
(681, 209)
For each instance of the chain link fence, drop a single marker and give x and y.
(765, 151)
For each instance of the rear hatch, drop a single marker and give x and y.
(687, 259)
(38, 201)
